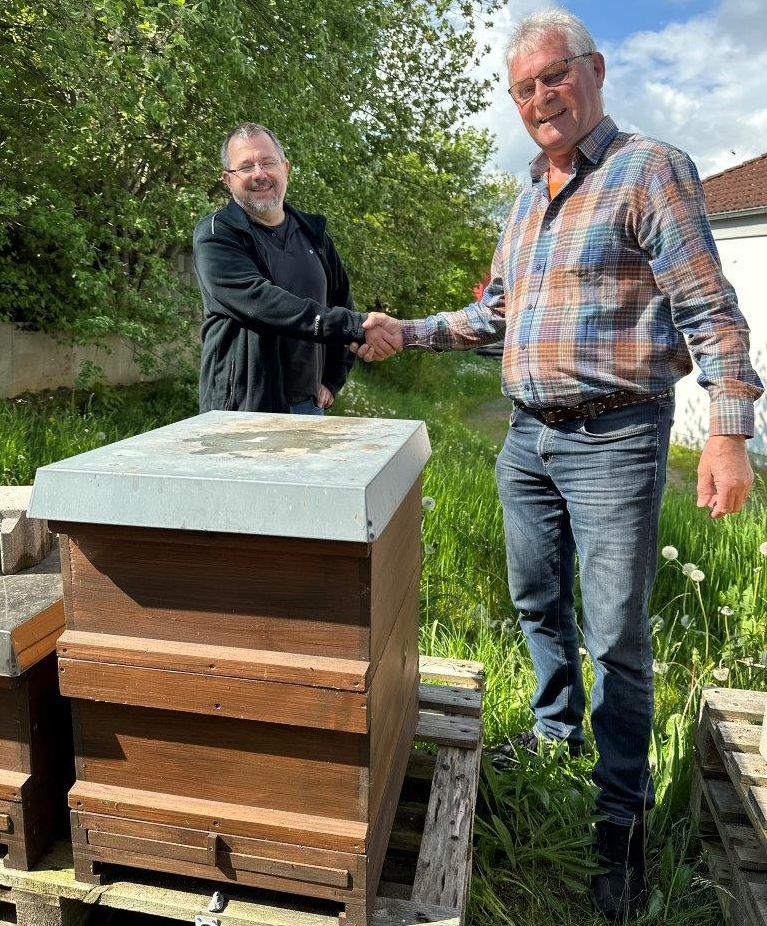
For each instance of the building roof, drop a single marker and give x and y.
(738, 188)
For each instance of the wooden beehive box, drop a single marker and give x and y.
(241, 597)
(35, 729)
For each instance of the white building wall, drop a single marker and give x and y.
(742, 244)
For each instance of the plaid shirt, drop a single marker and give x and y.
(609, 286)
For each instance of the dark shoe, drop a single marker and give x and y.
(503, 755)
(619, 893)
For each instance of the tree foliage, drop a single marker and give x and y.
(111, 114)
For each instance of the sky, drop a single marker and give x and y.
(690, 72)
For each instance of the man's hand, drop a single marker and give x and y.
(724, 475)
(383, 338)
(325, 398)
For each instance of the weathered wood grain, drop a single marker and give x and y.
(224, 696)
(451, 699)
(456, 671)
(209, 659)
(463, 732)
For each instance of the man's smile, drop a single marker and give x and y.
(545, 119)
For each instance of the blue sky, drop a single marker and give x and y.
(690, 72)
(613, 22)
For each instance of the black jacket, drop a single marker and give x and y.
(245, 315)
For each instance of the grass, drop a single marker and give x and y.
(532, 856)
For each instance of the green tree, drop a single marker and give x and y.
(111, 115)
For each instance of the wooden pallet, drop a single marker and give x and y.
(427, 872)
(729, 800)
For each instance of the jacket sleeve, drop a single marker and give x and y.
(232, 286)
(338, 360)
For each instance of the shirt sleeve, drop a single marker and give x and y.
(482, 322)
(675, 232)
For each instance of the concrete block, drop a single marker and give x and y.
(24, 541)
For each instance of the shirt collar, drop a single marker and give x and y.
(591, 146)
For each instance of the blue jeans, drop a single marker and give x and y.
(591, 487)
(307, 407)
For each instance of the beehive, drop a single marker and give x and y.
(35, 729)
(241, 597)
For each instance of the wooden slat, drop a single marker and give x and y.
(748, 853)
(737, 737)
(729, 808)
(455, 671)
(421, 765)
(35, 639)
(12, 785)
(444, 863)
(749, 769)
(208, 659)
(463, 732)
(451, 699)
(735, 704)
(750, 888)
(245, 699)
(215, 816)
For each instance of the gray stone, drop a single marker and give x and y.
(24, 541)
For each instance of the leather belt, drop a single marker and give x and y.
(556, 414)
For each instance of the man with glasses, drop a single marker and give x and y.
(605, 280)
(277, 305)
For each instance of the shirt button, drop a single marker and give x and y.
(523, 346)
(527, 389)
(539, 266)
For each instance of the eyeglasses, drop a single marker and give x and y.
(250, 169)
(550, 76)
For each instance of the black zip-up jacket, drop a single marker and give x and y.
(246, 316)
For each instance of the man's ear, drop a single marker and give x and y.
(226, 179)
(598, 63)
(287, 169)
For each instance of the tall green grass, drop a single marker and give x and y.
(532, 856)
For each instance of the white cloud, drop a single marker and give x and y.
(700, 85)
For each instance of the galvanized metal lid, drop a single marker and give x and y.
(245, 473)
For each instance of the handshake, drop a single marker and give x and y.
(383, 338)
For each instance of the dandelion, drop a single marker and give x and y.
(688, 568)
(429, 549)
(508, 625)
(721, 674)
(428, 503)
(101, 436)
(685, 621)
(697, 575)
(726, 611)
(763, 548)
(659, 668)
(670, 553)
(656, 621)
(582, 651)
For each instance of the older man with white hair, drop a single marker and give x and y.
(605, 280)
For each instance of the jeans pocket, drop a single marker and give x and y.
(618, 423)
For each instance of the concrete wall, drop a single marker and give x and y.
(742, 244)
(31, 361)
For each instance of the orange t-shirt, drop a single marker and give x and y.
(554, 188)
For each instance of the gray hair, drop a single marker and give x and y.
(528, 32)
(249, 130)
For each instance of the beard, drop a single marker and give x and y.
(254, 205)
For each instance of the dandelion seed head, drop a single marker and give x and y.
(763, 548)
(670, 553)
(688, 568)
(697, 575)
(658, 667)
(429, 549)
(428, 503)
(656, 621)
(721, 673)
(686, 620)
(101, 436)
